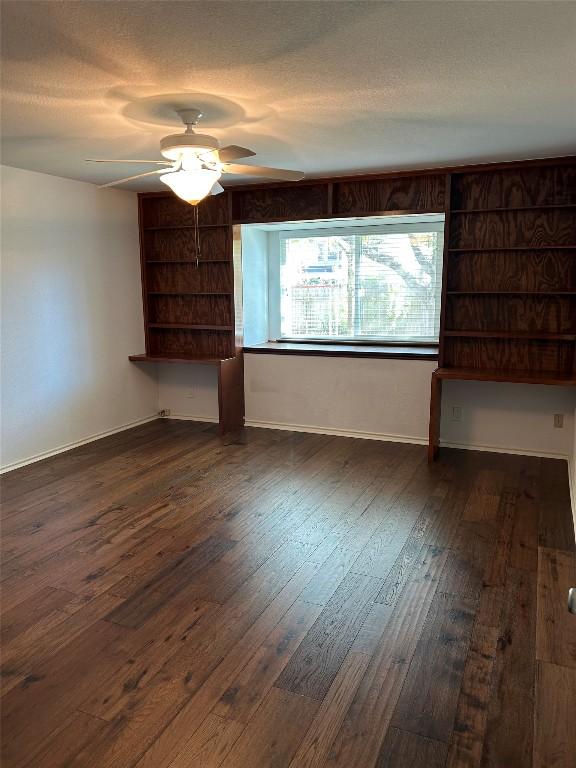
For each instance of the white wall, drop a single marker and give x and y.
(387, 399)
(255, 284)
(509, 417)
(390, 398)
(188, 391)
(71, 314)
(375, 397)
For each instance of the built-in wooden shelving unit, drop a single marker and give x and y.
(509, 297)
(509, 277)
(188, 297)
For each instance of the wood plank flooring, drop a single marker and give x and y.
(284, 600)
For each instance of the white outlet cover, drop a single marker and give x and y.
(456, 413)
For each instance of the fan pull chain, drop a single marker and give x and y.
(196, 236)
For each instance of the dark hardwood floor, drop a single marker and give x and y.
(290, 600)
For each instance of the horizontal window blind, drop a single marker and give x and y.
(381, 285)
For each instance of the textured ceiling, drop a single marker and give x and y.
(325, 87)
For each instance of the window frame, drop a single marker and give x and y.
(399, 225)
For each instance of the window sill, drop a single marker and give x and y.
(393, 352)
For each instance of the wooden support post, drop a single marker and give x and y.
(435, 414)
(231, 394)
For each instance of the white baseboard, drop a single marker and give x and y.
(75, 444)
(393, 438)
(183, 417)
(499, 449)
(338, 432)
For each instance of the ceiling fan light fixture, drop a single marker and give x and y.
(191, 186)
(193, 160)
(197, 161)
(174, 146)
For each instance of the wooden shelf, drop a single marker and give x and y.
(187, 261)
(505, 248)
(379, 351)
(512, 377)
(520, 335)
(189, 293)
(551, 207)
(514, 293)
(156, 359)
(360, 213)
(192, 326)
(184, 226)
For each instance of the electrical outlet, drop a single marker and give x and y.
(456, 413)
(558, 420)
(164, 412)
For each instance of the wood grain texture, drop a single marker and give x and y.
(199, 310)
(516, 186)
(551, 378)
(408, 750)
(416, 193)
(556, 627)
(555, 735)
(512, 229)
(315, 664)
(192, 278)
(324, 728)
(553, 314)
(535, 356)
(469, 731)
(364, 728)
(274, 734)
(210, 745)
(170, 245)
(280, 203)
(244, 694)
(516, 271)
(231, 394)
(554, 530)
(163, 588)
(168, 210)
(427, 704)
(182, 343)
(510, 722)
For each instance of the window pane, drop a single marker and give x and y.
(353, 286)
(317, 286)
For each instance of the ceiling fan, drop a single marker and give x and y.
(194, 162)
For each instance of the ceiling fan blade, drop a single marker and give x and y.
(234, 152)
(217, 189)
(139, 162)
(130, 178)
(260, 170)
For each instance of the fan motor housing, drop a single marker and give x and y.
(172, 146)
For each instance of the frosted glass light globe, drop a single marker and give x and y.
(191, 186)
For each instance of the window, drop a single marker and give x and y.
(377, 282)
